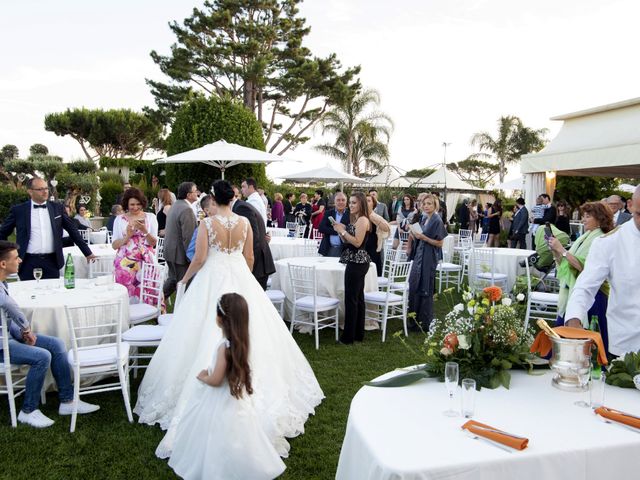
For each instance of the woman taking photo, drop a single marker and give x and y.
(379, 233)
(426, 251)
(135, 234)
(494, 214)
(357, 262)
(597, 220)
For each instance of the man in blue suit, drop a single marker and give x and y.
(38, 226)
(331, 244)
(519, 225)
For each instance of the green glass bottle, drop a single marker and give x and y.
(596, 369)
(69, 273)
(593, 325)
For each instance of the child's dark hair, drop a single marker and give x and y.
(234, 317)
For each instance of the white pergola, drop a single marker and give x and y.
(601, 141)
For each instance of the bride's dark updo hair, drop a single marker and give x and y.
(223, 192)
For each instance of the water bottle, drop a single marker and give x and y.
(69, 273)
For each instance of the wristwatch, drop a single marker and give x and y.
(564, 254)
(343, 233)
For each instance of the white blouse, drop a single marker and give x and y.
(120, 226)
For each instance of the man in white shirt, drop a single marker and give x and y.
(250, 192)
(614, 257)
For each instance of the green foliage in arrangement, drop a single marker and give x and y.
(202, 121)
(10, 196)
(622, 370)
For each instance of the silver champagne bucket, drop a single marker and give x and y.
(570, 359)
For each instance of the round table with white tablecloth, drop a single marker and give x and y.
(330, 280)
(402, 434)
(286, 247)
(44, 305)
(80, 262)
(507, 261)
(98, 238)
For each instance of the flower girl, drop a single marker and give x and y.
(219, 435)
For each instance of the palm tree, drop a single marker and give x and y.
(513, 141)
(361, 134)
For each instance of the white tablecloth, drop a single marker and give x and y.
(507, 261)
(286, 247)
(99, 237)
(80, 262)
(401, 433)
(330, 280)
(44, 306)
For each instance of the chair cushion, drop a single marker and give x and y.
(322, 303)
(165, 319)
(275, 295)
(488, 276)
(448, 267)
(383, 281)
(544, 297)
(141, 311)
(399, 286)
(144, 333)
(100, 355)
(381, 297)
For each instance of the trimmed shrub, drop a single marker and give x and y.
(110, 177)
(206, 120)
(10, 196)
(109, 191)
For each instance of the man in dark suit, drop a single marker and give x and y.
(263, 265)
(38, 226)
(331, 244)
(463, 215)
(394, 207)
(519, 225)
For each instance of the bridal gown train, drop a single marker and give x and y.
(285, 388)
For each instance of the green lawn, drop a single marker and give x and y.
(106, 446)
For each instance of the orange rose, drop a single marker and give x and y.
(493, 293)
(451, 341)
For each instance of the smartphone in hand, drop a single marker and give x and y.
(547, 231)
(332, 220)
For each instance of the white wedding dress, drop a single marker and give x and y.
(285, 388)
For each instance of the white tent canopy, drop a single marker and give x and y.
(442, 178)
(326, 174)
(390, 176)
(515, 184)
(601, 141)
(223, 155)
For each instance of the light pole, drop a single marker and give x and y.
(444, 166)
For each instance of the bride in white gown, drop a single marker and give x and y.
(285, 388)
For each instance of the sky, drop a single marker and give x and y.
(444, 69)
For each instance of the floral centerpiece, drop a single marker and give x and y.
(484, 335)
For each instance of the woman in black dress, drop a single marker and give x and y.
(494, 214)
(357, 262)
(562, 219)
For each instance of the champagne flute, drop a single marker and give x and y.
(584, 376)
(37, 274)
(451, 373)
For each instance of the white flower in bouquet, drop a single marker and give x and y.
(463, 343)
(471, 310)
(466, 296)
(459, 308)
(506, 301)
(520, 297)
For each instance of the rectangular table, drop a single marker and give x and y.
(401, 434)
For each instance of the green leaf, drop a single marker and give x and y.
(505, 378)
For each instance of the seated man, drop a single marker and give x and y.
(40, 352)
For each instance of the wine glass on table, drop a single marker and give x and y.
(451, 374)
(584, 376)
(37, 274)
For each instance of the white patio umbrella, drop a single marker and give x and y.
(326, 174)
(223, 155)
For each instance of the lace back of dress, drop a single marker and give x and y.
(226, 234)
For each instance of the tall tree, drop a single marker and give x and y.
(513, 141)
(476, 172)
(252, 51)
(38, 149)
(9, 152)
(108, 133)
(361, 133)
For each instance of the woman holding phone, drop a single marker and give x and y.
(135, 234)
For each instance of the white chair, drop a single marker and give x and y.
(540, 304)
(322, 310)
(316, 234)
(166, 318)
(464, 233)
(277, 297)
(97, 349)
(449, 272)
(300, 229)
(480, 241)
(142, 336)
(390, 256)
(13, 387)
(292, 225)
(150, 294)
(160, 250)
(85, 234)
(310, 248)
(382, 306)
(482, 272)
(278, 232)
(101, 266)
(109, 238)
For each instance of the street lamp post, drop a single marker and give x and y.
(444, 165)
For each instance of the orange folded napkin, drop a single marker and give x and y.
(496, 435)
(542, 343)
(618, 416)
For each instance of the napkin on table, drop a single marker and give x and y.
(618, 416)
(542, 343)
(503, 438)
